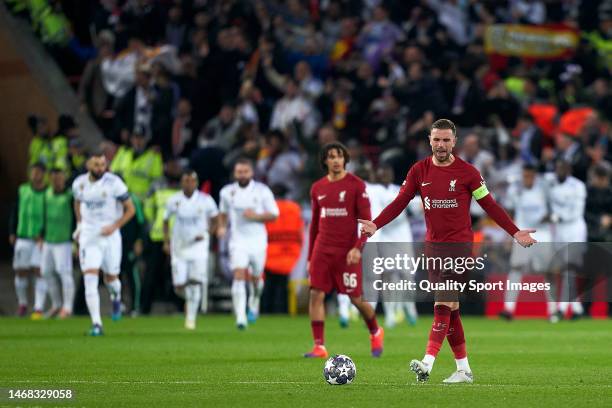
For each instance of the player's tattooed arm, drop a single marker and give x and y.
(213, 224)
(128, 213)
(251, 215)
(166, 236)
(77, 215)
(221, 225)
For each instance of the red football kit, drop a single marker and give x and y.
(336, 206)
(446, 193)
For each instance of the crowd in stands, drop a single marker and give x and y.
(177, 83)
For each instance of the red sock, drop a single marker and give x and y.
(455, 337)
(372, 324)
(439, 328)
(317, 332)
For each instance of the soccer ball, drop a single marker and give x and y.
(339, 370)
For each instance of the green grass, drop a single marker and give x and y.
(154, 361)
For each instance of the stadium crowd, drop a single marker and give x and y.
(199, 84)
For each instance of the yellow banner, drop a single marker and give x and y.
(530, 41)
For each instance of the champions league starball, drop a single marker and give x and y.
(339, 370)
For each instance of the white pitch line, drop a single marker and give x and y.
(196, 382)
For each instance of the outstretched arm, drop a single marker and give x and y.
(395, 208)
(497, 213)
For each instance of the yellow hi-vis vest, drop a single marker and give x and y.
(138, 172)
(154, 209)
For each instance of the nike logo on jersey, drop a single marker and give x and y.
(321, 197)
(425, 184)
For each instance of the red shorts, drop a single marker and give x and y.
(329, 270)
(459, 253)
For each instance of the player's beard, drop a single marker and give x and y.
(442, 156)
(243, 182)
(96, 175)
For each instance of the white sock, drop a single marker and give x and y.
(21, 289)
(239, 299)
(114, 288)
(511, 295)
(563, 306)
(40, 294)
(462, 364)
(192, 301)
(429, 361)
(552, 308)
(54, 291)
(204, 301)
(255, 291)
(344, 302)
(577, 308)
(389, 308)
(68, 290)
(92, 297)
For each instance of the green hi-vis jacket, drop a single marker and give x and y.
(28, 216)
(138, 171)
(59, 216)
(154, 208)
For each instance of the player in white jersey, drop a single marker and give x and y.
(529, 202)
(194, 215)
(397, 238)
(247, 205)
(102, 206)
(567, 202)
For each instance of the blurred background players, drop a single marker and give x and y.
(194, 214)
(338, 200)
(26, 226)
(102, 206)
(528, 201)
(397, 239)
(567, 203)
(56, 262)
(246, 205)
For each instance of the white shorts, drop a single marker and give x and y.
(185, 270)
(56, 258)
(243, 256)
(99, 252)
(537, 258)
(27, 254)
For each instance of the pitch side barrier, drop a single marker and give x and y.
(472, 272)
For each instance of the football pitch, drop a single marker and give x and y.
(155, 362)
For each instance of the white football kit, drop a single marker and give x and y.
(531, 206)
(567, 201)
(100, 206)
(191, 219)
(248, 239)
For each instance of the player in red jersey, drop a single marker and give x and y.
(446, 185)
(334, 254)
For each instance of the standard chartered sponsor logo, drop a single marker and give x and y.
(333, 212)
(429, 204)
